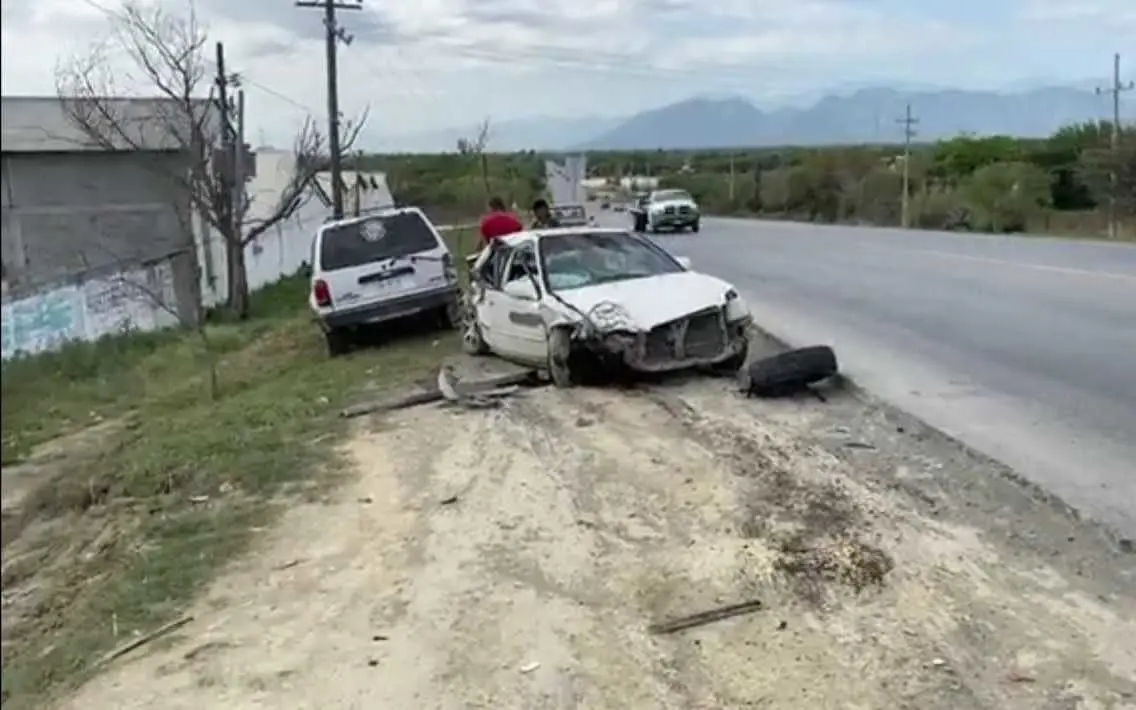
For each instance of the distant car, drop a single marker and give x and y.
(380, 267)
(571, 300)
(570, 215)
(667, 209)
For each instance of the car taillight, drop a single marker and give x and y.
(448, 268)
(321, 293)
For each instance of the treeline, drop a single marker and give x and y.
(996, 184)
(458, 184)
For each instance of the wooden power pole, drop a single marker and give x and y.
(227, 209)
(334, 34)
(909, 122)
(1116, 89)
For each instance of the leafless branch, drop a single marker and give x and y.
(307, 151)
(168, 52)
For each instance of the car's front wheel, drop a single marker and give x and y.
(473, 342)
(733, 365)
(696, 226)
(559, 349)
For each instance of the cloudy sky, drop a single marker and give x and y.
(429, 64)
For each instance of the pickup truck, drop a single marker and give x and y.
(666, 209)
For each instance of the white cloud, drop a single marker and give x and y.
(434, 63)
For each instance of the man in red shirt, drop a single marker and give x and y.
(498, 222)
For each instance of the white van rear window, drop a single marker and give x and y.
(374, 239)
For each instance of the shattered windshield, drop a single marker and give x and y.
(578, 260)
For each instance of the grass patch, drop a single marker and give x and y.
(121, 537)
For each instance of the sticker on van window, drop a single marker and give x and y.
(372, 230)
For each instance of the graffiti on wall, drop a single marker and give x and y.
(42, 322)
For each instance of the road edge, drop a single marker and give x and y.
(845, 383)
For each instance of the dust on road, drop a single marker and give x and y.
(515, 558)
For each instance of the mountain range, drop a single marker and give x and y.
(865, 115)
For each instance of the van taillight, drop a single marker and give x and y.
(322, 293)
(448, 268)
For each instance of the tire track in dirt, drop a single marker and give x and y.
(582, 516)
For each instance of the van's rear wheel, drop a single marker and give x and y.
(449, 316)
(338, 341)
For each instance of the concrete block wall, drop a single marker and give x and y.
(67, 213)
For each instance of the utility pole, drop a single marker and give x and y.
(908, 122)
(333, 35)
(239, 158)
(1116, 89)
(228, 169)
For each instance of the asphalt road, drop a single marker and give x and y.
(1024, 348)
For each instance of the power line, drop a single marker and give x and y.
(334, 34)
(1116, 90)
(908, 121)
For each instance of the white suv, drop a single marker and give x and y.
(379, 267)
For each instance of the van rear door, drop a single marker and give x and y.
(381, 257)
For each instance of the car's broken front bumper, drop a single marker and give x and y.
(702, 338)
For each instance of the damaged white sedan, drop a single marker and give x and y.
(583, 300)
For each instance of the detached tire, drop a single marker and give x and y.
(792, 371)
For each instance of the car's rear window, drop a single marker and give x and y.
(374, 239)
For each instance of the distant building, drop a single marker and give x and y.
(71, 206)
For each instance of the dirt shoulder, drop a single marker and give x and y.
(515, 558)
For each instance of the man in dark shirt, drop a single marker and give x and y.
(542, 215)
(499, 222)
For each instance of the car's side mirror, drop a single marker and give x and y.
(683, 261)
(522, 289)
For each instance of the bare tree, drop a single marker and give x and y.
(168, 53)
(476, 147)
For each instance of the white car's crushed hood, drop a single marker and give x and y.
(645, 303)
